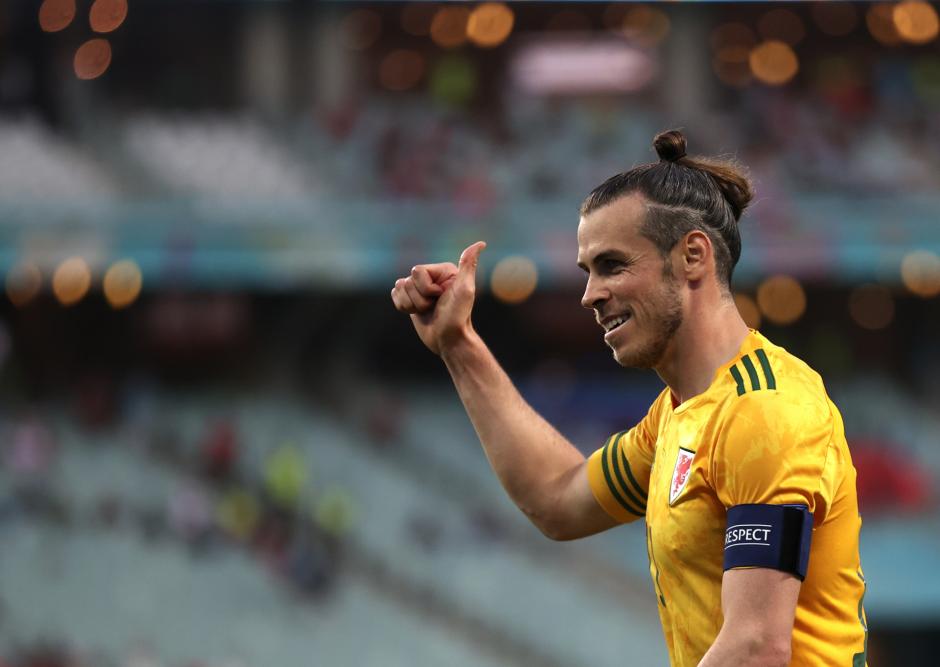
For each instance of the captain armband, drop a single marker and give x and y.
(772, 536)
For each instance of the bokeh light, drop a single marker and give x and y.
(871, 306)
(782, 25)
(915, 21)
(107, 15)
(781, 299)
(361, 29)
(732, 66)
(880, 21)
(750, 313)
(773, 62)
(454, 79)
(834, 18)
(416, 18)
(490, 24)
(122, 283)
(401, 69)
(920, 273)
(449, 26)
(514, 279)
(645, 25)
(56, 15)
(71, 281)
(92, 58)
(23, 283)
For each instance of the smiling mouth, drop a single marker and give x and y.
(615, 323)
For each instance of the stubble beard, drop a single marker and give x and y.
(662, 331)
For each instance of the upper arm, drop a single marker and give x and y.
(577, 512)
(618, 474)
(761, 603)
(610, 487)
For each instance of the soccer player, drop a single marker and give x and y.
(740, 468)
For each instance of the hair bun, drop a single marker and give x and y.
(670, 146)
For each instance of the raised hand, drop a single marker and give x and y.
(439, 298)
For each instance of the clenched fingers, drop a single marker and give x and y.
(423, 277)
(401, 299)
(421, 302)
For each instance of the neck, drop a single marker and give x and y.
(710, 335)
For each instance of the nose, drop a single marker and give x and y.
(594, 294)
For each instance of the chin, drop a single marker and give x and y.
(642, 357)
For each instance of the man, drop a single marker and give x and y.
(740, 468)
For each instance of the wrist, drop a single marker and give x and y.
(461, 348)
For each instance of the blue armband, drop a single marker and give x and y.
(773, 536)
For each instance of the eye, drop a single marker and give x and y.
(613, 266)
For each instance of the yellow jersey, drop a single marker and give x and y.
(764, 433)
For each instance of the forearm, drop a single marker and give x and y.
(530, 457)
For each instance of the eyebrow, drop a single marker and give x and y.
(602, 256)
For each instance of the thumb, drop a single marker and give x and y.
(469, 258)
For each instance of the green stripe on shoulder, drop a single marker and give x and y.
(736, 374)
(615, 456)
(770, 381)
(751, 372)
(765, 366)
(605, 466)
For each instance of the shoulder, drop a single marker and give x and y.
(767, 378)
(775, 398)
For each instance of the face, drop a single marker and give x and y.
(630, 287)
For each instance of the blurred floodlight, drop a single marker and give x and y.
(71, 281)
(774, 62)
(732, 34)
(360, 29)
(920, 273)
(122, 283)
(401, 69)
(514, 279)
(454, 79)
(781, 299)
(490, 24)
(107, 15)
(880, 21)
(748, 309)
(645, 25)
(568, 20)
(449, 26)
(871, 306)
(915, 21)
(56, 15)
(782, 24)
(416, 18)
(731, 64)
(23, 283)
(834, 18)
(581, 66)
(92, 58)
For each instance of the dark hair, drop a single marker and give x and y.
(684, 193)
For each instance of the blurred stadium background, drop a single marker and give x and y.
(220, 444)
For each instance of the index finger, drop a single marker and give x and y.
(431, 277)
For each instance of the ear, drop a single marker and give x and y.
(697, 255)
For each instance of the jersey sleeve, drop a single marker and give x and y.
(772, 451)
(619, 472)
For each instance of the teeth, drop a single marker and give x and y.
(613, 324)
